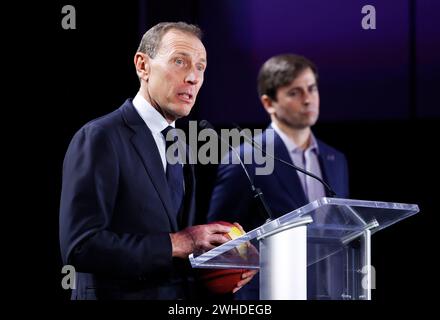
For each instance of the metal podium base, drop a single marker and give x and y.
(283, 262)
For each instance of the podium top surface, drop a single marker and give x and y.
(332, 221)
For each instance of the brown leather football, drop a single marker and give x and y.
(222, 281)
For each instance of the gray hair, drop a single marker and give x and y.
(152, 38)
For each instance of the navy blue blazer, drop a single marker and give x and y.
(232, 198)
(116, 212)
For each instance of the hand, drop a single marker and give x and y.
(198, 239)
(245, 278)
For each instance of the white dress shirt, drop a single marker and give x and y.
(155, 122)
(305, 159)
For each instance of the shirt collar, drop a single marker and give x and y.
(152, 118)
(291, 145)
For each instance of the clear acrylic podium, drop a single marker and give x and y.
(319, 251)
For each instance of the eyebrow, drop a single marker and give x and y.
(187, 55)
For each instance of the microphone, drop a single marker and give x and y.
(254, 143)
(257, 193)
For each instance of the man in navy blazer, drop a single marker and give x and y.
(126, 213)
(288, 90)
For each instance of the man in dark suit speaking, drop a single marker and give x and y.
(288, 90)
(126, 214)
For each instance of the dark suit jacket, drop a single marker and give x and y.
(232, 198)
(116, 212)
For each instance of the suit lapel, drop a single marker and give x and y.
(146, 147)
(287, 176)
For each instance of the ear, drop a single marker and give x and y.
(142, 65)
(267, 104)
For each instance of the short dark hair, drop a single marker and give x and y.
(280, 71)
(151, 39)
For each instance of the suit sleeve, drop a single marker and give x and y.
(89, 191)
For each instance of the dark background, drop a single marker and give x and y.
(378, 104)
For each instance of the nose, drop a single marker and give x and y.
(306, 98)
(192, 77)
